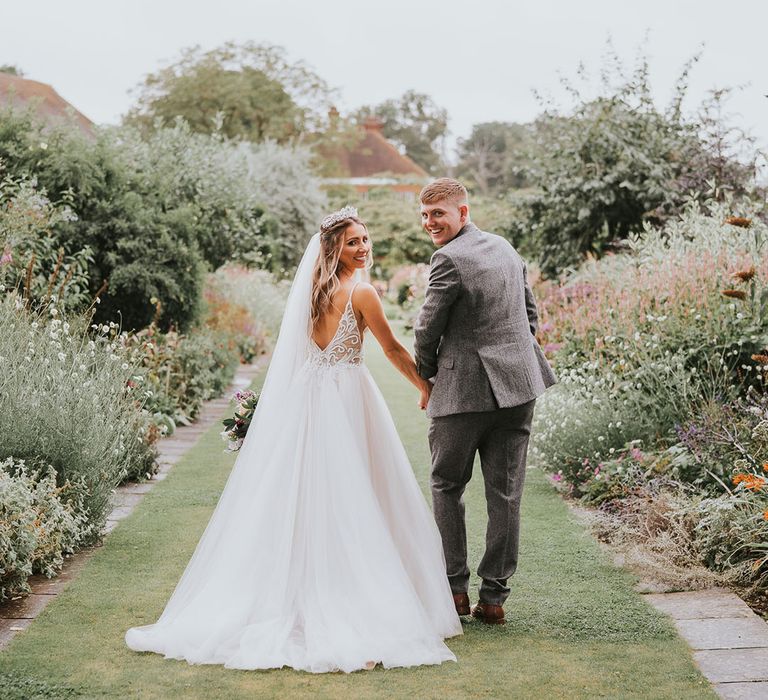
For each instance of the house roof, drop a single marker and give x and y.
(372, 155)
(51, 106)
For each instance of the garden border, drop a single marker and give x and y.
(19, 612)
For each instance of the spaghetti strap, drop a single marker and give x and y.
(352, 291)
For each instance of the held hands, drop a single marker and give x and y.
(426, 391)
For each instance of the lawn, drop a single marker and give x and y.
(576, 628)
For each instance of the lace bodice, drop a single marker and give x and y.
(346, 346)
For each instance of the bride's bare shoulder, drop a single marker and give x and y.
(365, 294)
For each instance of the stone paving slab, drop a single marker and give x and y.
(725, 633)
(143, 487)
(742, 691)
(733, 665)
(46, 586)
(9, 628)
(27, 607)
(692, 605)
(123, 497)
(730, 642)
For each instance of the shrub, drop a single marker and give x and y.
(32, 260)
(642, 341)
(615, 162)
(255, 295)
(280, 179)
(39, 523)
(66, 402)
(154, 211)
(178, 372)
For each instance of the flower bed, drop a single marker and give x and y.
(661, 355)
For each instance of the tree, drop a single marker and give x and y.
(416, 124)
(249, 91)
(615, 163)
(150, 212)
(11, 70)
(496, 156)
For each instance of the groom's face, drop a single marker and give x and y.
(443, 220)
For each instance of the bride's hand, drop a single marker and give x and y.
(426, 390)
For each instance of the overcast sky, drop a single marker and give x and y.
(480, 59)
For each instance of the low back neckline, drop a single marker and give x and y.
(340, 324)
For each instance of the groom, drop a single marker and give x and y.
(475, 336)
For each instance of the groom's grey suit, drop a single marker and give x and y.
(475, 335)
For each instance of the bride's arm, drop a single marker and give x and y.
(367, 301)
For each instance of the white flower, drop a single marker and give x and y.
(124, 366)
(61, 357)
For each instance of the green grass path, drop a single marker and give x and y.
(576, 628)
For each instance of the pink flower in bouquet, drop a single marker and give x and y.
(7, 257)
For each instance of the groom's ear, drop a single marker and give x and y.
(464, 212)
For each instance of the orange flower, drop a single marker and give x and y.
(765, 515)
(765, 466)
(752, 482)
(745, 275)
(739, 221)
(734, 294)
(762, 359)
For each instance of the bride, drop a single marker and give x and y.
(322, 554)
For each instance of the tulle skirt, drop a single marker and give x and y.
(322, 554)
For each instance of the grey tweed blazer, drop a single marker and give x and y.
(475, 331)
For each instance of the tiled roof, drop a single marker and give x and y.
(46, 101)
(374, 155)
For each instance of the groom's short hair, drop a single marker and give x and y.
(444, 188)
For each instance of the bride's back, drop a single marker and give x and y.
(326, 327)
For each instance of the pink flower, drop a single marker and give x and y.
(552, 347)
(7, 257)
(557, 477)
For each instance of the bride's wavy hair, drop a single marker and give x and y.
(325, 276)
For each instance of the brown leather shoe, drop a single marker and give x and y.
(461, 601)
(489, 614)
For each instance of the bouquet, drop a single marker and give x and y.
(237, 426)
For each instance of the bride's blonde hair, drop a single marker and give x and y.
(325, 276)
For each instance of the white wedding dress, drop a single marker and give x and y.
(322, 554)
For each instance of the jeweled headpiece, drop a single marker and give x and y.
(332, 219)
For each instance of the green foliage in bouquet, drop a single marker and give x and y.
(237, 426)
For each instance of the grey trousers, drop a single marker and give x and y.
(501, 438)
